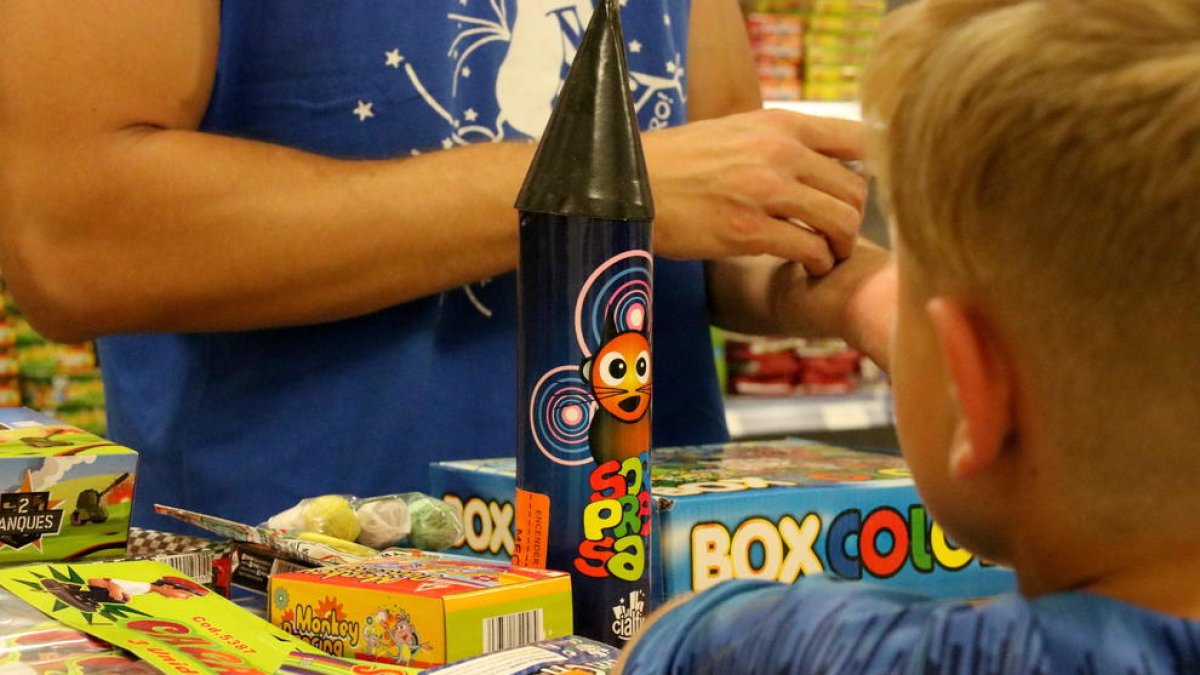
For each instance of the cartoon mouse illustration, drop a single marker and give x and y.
(620, 380)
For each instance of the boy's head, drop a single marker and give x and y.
(1041, 161)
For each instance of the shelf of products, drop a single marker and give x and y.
(56, 379)
(786, 386)
(847, 110)
(758, 416)
(811, 49)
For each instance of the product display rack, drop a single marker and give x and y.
(760, 416)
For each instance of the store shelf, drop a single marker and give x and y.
(849, 110)
(753, 416)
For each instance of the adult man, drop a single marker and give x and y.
(225, 179)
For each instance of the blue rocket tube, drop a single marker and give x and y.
(585, 369)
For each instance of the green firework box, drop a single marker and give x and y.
(65, 494)
(763, 509)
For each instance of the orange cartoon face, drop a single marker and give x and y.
(619, 375)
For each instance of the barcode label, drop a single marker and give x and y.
(512, 630)
(282, 566)
(197, 564)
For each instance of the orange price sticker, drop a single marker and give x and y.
(533, 529)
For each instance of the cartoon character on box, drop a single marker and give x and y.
(101, 591)
(392, 636)
(619, 377)
(603, 405)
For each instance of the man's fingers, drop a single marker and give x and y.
(835, 220)
(791, 242)
(843, 139)
(829, 176)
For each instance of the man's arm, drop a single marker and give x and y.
(764, 294)
(117, 215)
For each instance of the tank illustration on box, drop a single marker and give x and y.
(585, 368)
(89, 507)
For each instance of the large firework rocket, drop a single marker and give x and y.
(584, 364)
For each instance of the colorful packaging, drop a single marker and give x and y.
(770, 509)
(32, 643)
(10, 392)
(170, 621)
(63, 392)
(572, 654)
(584, 325)
(205, 560)
(481, 492)
(421, 609)
(47, 359)
(253, 564)
(10, 366)
(64, 493)
(306, 548)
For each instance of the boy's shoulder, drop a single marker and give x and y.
(823, 625)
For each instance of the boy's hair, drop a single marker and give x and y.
(1042, 158)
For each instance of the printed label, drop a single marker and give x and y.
(25, 517)
(616, 522)
(533, 529)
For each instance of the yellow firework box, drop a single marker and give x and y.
(419, 609)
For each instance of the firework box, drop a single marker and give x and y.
(421, 609)
(30, 642)
(571, 654)
(65, 494)
(170, 621)
(765, 509)
(482, 492)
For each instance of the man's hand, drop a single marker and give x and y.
(762, 295)
(731, 186)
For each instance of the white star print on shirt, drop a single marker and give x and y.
(393, 58)
(364, 110)
(635, 47)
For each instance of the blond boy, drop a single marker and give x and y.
(1041, 160)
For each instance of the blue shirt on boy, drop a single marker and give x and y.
(245, 424)
(822, 625)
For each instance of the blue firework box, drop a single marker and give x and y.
(764, 510)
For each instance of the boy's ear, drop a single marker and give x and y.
(982, 380)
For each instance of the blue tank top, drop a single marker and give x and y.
(244, 424)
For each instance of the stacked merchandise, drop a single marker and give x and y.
(776, 30)
(781, 367)
(60, 380)
(839, 38)
(10, 383)
(811, 49)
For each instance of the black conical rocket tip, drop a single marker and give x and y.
(589, 162)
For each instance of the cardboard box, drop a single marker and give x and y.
(482, 491)
(420, 609)
(148, 608)
(771, 510)
(570, 655)
(65, 494)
